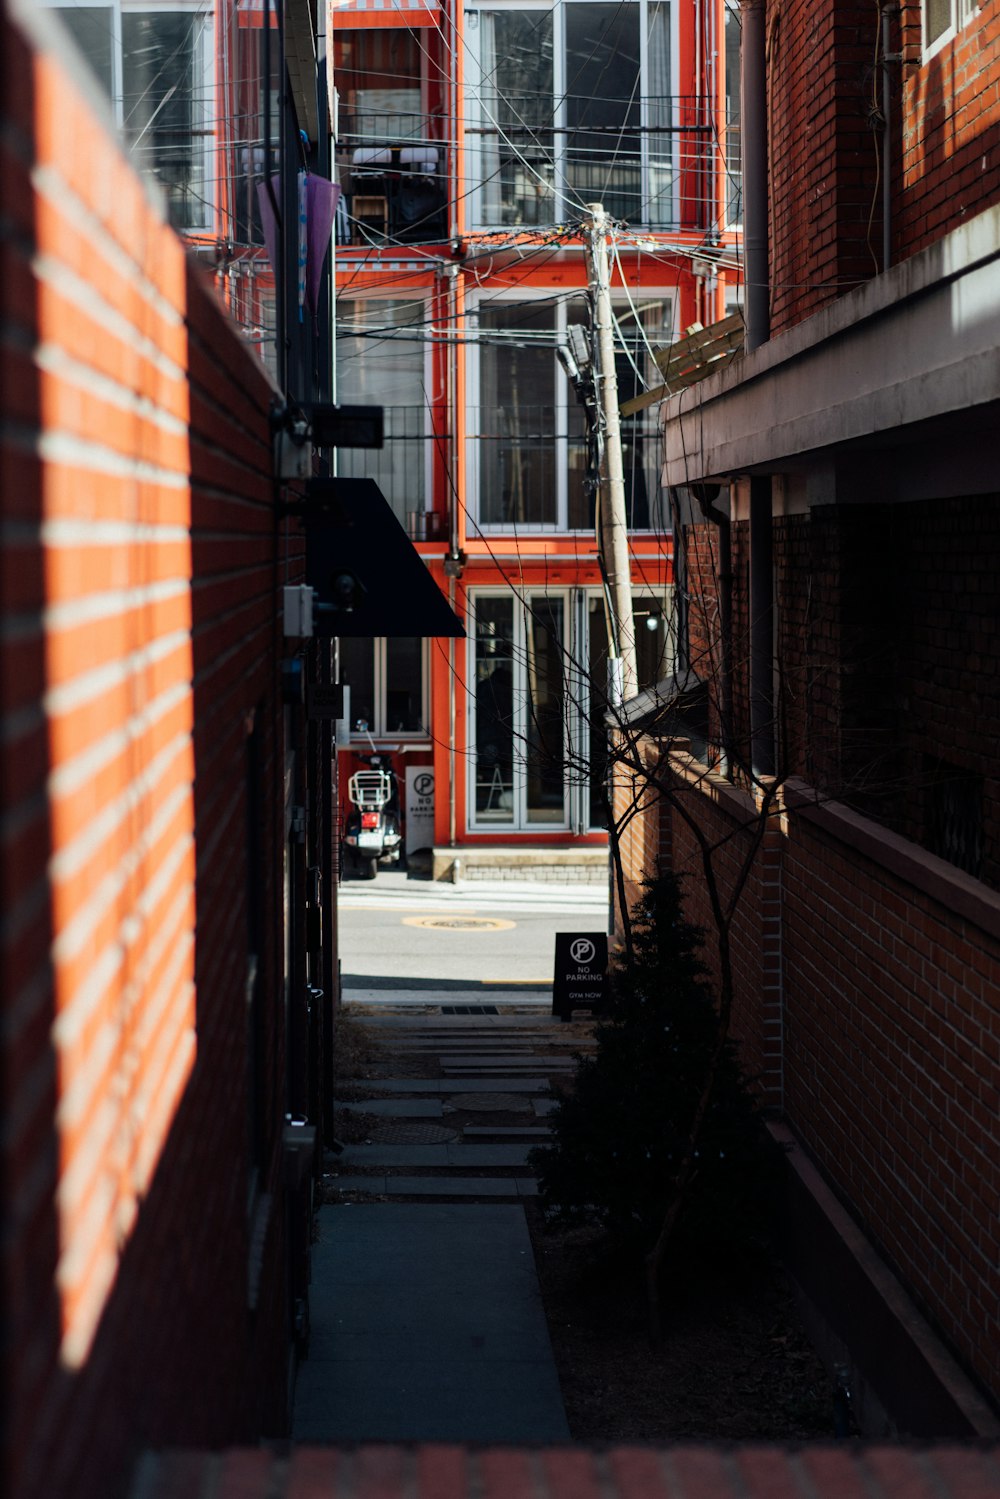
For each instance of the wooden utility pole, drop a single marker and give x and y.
(613, 528)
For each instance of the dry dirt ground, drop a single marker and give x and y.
(734, 1362)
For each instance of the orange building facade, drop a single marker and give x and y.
(469, 146)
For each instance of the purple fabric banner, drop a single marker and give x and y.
(321, 199)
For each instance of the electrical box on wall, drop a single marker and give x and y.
(298, 608)
(342, 731)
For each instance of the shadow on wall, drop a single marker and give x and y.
(30, 1149)
(182, 592)
(951, 167)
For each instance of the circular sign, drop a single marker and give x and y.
(583, 951)
(423, 785)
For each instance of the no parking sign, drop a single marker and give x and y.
(580, 973)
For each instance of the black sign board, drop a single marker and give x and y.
(325, 701)
(368, 576)
(581, 972)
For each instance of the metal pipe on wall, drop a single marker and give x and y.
(753, 107)
(886, 140)
(762, 736)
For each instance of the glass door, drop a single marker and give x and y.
(518, 713)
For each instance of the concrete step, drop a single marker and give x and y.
(487, 1045)
(442, 1086)
(458, 1153)
(443, 1188)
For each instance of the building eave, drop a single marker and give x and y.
(917, 346)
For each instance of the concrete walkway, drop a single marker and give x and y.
(427, 1319)
(427, 1326)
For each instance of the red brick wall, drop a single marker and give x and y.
(947, 642)
(950, 129)
(137, 648)
(892, 1064)
(824, 117)
(887, 621)
(824, 201)
(866, 976)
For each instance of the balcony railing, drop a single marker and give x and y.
(394, 177)
(400, 467)
(660, 174)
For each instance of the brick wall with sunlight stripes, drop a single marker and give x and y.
(138, 555)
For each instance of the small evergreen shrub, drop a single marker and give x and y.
(619, 1139)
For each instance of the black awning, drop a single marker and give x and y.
(358, 555)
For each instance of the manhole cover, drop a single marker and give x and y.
(461, 923)
(491, 1103)
(412, 1134)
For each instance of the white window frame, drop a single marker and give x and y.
(378, 730)
(962, 12)
(564, 209)
(568, 309)
(204, 85)
(377, 295)
(580, 647)
(519, 823)
(576, 622)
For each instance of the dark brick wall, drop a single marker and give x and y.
(825, 210)
(139, 648)
(824, 114)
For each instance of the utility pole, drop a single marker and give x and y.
(612, 528)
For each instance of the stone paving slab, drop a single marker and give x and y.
(514, 1069)
(543, 1106)
(395, 1108)
(510, 1026)
(515, 1060)
(427, 1325)
(450, 1153)
(439, 1186)
(512, 1045)
(446, 1085)
(507, 1131)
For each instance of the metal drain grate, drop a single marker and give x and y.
(491, 1103)
(412, 1134)
(469, 1010)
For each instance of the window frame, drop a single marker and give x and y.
(204, 104)
(962, 12)
(519, 823)
(563, 207)
(576, 603)
(378, 730)
(368, 298)
(568, 308)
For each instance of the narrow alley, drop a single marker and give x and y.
(426, 1314)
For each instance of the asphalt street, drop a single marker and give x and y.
(398, 933)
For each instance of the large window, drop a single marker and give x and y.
(381, 354)
(388, 682)
(156, 64)
(572, 104)
(519, 711)
(539, 664)
(529, 431)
